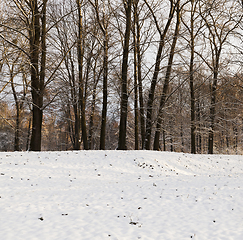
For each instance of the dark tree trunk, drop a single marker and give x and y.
(17, 121)
(212, 112)
(17, 131)
(193, 127)
(167, 79)
(28, 135)
(171, 143)
(155, 77)
(36, 85)
(124, 94)
(91, 120)
(103, 26)
(104, 105)
(164, 142)
(182, 137)
(74, 131)
(141, 101)
(199, 137)
(76, 138)
(235, 129)
(70, 126)
(140, 85)
(81, 81)
(135, 87)
(139, 71)
(76, 110)
(17, 106)
(35, 142)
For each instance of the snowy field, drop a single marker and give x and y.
(123, 195)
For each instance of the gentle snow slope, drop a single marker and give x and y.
(124, 195)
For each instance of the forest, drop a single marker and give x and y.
(128, 75)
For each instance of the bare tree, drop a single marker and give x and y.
(162, 34)
(33, 14)
(103, 24)
(193, 33)
(167, 77)
(219, 26)
(124, 92)
(80, 50)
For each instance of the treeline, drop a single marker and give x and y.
(134, 74)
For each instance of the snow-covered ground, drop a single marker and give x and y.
(124, 195)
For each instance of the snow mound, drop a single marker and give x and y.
(120, 195)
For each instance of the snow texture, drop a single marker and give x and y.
(123, 195)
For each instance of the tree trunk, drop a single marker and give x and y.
(104, 105)
(28, 135)
(135, 84)
(75, 105)
(81, 81)
(155, 77)
(235, 130)
(17, 129)
(91, 120)
(124, 93)
(76, 138)
(139, 72)
(212, 111)
(199, 137)
(17, 121)
(167, 79)
(191, 72)
(36, 91)
(164, 142)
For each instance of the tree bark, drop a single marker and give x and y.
(139, 71)
(103, 26)
(17, 121)
(167, 79)
(212, 113)
(91, 120)
(80, 74)
(36, 84)
(124, 94)
(105, 94)
(135, 53)
(155, 75)
(191, 72)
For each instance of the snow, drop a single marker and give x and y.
(123, 195)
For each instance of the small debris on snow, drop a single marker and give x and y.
(133, 223)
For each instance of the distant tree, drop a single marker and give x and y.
(218, 28)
